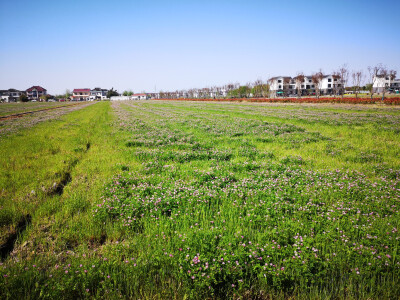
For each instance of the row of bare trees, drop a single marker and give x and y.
(258, 88)
(374, 74)
(261, 89)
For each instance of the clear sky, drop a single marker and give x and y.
(169, 45)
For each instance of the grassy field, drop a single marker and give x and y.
(19, 107)
(192, 200)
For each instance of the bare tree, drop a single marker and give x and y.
(285, 85)
(317, 80)
(336, 82)
(258, 88)
(383, 74)
(299, 79)
(344, 77)
(357, 78)
(270, 82)
(373, 77)
(248, 91)
(265, 89)
(386, 75)
(392, 76)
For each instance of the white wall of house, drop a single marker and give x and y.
(120, 98)
(381, 83)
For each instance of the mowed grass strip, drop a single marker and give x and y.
(56, 168)
(15, 108)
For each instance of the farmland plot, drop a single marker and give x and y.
(211, 200)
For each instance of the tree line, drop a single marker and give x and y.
(349, 80)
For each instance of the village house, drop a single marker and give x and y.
(330, 84)
(388, 83)
(98, 94)
(10, 95)
(288, 86)
(35, 92)
(139, 96)
(80, 95)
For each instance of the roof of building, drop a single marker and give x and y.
(36, 87)
(284, 77)
(139, 94)
(80, 90)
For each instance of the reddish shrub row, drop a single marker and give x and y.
(352, 100)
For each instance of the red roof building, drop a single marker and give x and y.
(35, 92)
(81, 95)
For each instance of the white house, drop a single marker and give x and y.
(120, 98)
(330, 84)
(35, 92)
(287, 86)
(139, 96)
(387, 82)
(80, 95)
(10, 95)
(98, 93)
(280, 85)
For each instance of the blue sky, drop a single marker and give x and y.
(169, 45)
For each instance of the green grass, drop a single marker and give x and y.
(163, 200)
(14, 108)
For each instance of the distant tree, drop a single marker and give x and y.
(286, 85)
(23, 98)
(45, 97)
(265, 89)
(343, 73)
(299, 79)
(317, 80)
(111, 93)
(373, 73)
(357, 78)
(270, 82)
(336, 83)
(387, 74)
(257, 90)
(67, 93)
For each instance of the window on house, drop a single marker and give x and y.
(280, 86)
(329, 80)
(313, 86)
(279, 81)
(309, 80)
(329, 85)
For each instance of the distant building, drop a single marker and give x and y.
(10, 95)
(388, 83)
(98, 94)
(139, 97)
(120, 98)
(288, 86)
(80, 95)
(282, 85)
(330, 84)
(35, 92)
